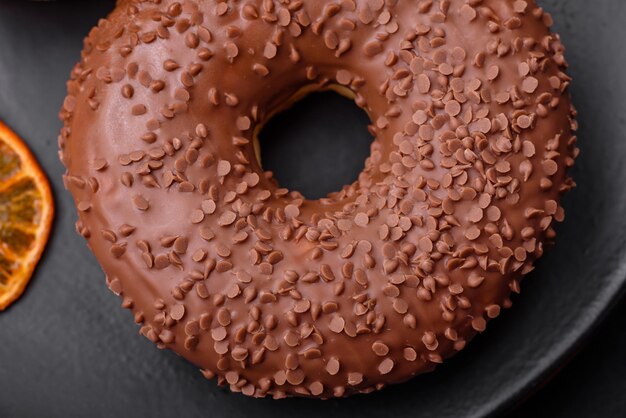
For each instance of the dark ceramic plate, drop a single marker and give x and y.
(68, 350)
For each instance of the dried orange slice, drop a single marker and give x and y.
(26, 211)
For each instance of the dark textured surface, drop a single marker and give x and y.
(335, 139)
(593, 384)
(68, 349)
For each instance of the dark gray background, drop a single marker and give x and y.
(68, 350)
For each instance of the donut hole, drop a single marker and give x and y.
(316, 146)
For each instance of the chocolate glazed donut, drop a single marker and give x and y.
(275, 294)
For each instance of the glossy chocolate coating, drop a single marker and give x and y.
(280, 295)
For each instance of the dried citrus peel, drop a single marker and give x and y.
(26, 212)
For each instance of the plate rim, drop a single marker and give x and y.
(551, 365)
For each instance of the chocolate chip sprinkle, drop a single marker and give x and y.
(141, 202)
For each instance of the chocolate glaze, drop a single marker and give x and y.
(275, 294)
